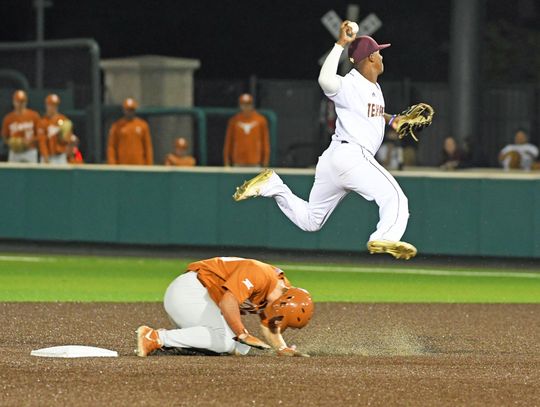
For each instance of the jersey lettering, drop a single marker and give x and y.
(375, 110)
(248, 283)
(26, 127)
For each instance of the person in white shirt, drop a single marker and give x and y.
(521, 154)
(348, 164)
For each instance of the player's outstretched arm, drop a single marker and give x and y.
(329, 80)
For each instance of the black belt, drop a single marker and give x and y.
(344, 142)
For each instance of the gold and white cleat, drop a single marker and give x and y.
(400, 250)
(252, 188)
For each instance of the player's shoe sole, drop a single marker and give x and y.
(147, 341)
(400, 250)
(252, 188)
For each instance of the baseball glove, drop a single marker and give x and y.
(64, 133)
(414, 119)
(17, 144)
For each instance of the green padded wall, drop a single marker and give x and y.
(464, 214)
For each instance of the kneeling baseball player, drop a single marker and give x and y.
(205, 304)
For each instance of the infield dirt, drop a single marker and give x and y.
(362, 354)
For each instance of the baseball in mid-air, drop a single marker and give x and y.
(354, 26)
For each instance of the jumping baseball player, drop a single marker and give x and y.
(19, 130)
(205, 304)
(348, 164)
(55, 131)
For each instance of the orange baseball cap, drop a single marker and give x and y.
(245, 98)
(130, 104)
(52, 99)
(20, 96)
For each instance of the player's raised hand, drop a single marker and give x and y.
(346, 34)
(250, 340)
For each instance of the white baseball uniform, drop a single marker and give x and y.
(348, 164)
(527, 152)
(28, 156)
(56, 159)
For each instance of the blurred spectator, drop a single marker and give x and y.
(452, 155)
(73, 153)
(410, 148)
(327, 121)
(54, 132)
(20, 130)
(390, 154)
(129, 138)
(521, 154)
(180, 157)
(247, 141)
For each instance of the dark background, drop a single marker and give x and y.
(284, 39)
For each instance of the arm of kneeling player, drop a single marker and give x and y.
(275, 339)
(231, 312)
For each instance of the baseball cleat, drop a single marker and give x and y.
(252, 187)
(400, 250)
(147, 341)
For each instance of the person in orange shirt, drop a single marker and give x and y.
(20, 130)
(205, 304)
(180, 157)
(129, 138)
(54, 133)
(247, 141)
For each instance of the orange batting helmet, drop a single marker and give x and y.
(293, 309)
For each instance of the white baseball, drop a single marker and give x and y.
(354, 26)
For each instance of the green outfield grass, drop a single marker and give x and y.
(77, 278)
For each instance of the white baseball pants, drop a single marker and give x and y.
(28, 156)
(343, 168)
(56, 159)
(197, 317)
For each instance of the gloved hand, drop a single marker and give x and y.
(252, 341)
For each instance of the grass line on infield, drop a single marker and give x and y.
(78, 278)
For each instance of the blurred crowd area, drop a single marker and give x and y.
(48, 136)
(93, 77)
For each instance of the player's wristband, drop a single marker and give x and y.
(391, 119)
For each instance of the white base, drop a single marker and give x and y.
(74, 351)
